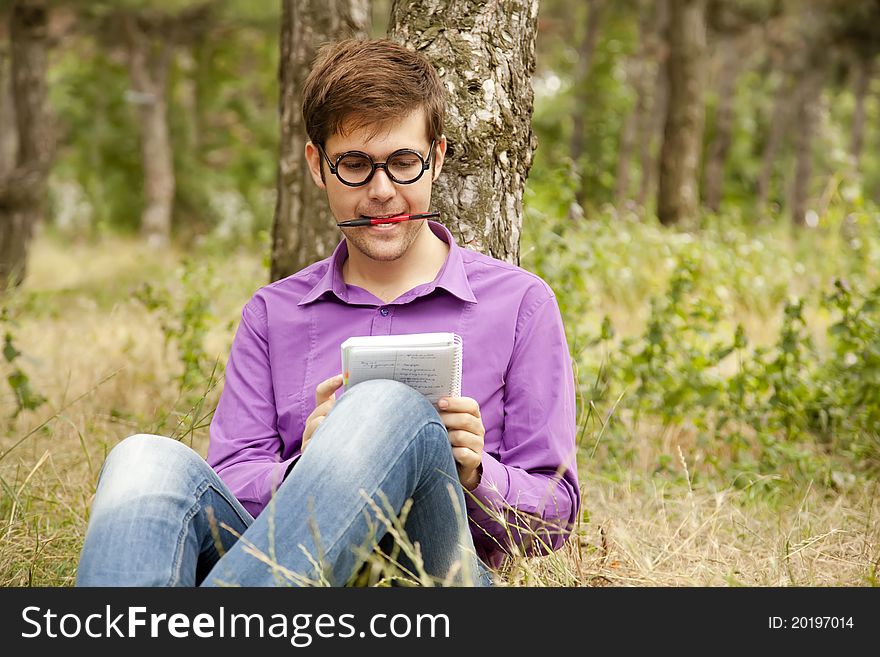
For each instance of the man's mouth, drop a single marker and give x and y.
(384, 216)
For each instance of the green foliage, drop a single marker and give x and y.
(26, 398)
(185, 316)
(223, 122)
(747, 339)
(846, 408)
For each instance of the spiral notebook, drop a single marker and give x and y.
(428, 362)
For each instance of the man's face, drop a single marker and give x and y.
(379, 197)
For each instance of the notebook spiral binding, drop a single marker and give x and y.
(456, 366)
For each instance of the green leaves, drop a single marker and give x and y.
(733, 335)
(25, 397)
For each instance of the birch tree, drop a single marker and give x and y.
(485, 55)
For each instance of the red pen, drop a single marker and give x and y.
(373, 221)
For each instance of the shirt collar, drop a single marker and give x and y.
(452, 277)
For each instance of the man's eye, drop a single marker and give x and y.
(406, 163)
(354, 165)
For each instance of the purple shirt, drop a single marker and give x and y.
(516, 364)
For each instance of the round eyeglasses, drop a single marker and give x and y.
(354, 168)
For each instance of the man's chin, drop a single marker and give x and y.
(378, 251)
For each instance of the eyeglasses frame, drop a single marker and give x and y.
(426, 165)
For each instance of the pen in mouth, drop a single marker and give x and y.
(374, 221)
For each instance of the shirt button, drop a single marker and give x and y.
(384, 312)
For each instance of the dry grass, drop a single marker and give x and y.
(99, 358)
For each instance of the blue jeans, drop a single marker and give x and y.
(162, 517)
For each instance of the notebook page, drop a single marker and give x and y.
(430, 370)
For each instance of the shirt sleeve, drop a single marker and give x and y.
(245, 447)
(529, 496)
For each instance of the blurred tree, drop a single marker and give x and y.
(810, 63)
(584, 62)
(863, 73)
(23, 188)
(640, 71)
(677, 197)
(854, 29)
(731, 35)
(8, 131)
(807, 103)
(304, 229)
(653, 102)
(150, 35)
(485, 55)
(149, 58)
(778, 54)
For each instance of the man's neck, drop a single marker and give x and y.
(389, 279)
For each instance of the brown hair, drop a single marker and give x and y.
(358, 83)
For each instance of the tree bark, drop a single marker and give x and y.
(677, 197)
(716, 153)
(23, 190)
(304, 229)
(485, 55)
(864, 74)
(149, 62)
(808, 105)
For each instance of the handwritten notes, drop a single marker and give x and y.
(435, 371)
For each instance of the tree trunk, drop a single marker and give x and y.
(624, 155)
(778, 123)
(485, 54)
(653, 105)
(637, 72)
(8, 131)
(304, 229)
(808, 105)
(716, 153)
(586, 50)
(864, 73)
(23, 190)
(148, 67)
(677, 197)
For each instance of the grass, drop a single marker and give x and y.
(101, 360)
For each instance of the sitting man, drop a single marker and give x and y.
(300, 486)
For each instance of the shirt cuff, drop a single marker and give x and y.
(492, 490)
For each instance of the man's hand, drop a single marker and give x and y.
(461, 415)
(325, 398)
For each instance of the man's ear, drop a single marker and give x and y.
(313, 157)
(439, 156)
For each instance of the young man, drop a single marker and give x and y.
(302, 483)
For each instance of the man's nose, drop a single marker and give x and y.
(380, 187)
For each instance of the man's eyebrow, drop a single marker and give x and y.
(336, 154)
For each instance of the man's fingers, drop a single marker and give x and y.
(326, 388)
(459, 405)
(466, 440)
(466, 458)
(324, 408)
(312, 425)
(463, 421)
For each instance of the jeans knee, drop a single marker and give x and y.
(137, 450)
(383, 413)
(385, 396)
(144, 463)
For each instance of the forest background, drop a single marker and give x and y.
(727, 357)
